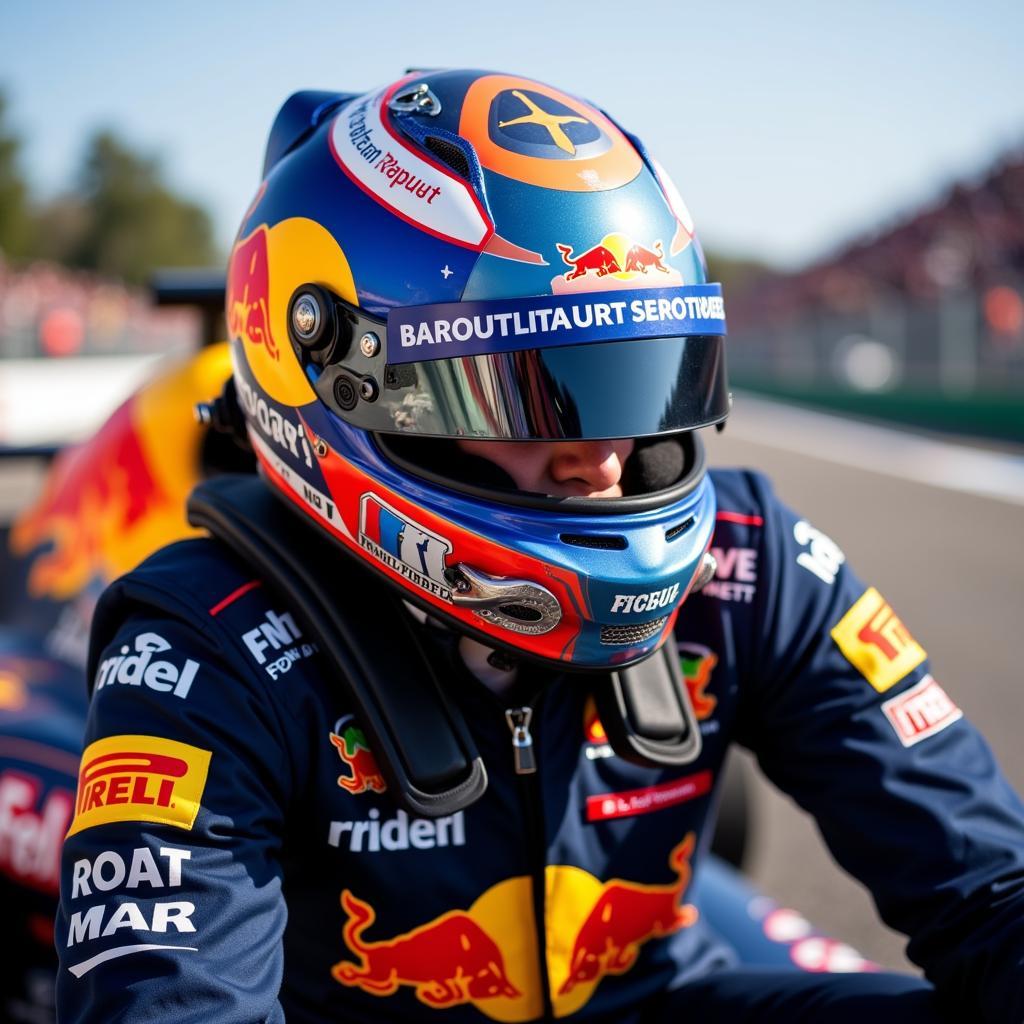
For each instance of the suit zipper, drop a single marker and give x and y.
(524, 756)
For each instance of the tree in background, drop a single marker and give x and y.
(130, 222)
(120, 218)
(16, 229)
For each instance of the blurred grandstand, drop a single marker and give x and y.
(921, 322)
(72, 346)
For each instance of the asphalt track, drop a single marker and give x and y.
(949, 557)
(937, 529)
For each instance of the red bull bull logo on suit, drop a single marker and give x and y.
(487, 954)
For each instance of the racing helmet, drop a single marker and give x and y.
(466, 254)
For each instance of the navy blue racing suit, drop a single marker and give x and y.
(236, 856)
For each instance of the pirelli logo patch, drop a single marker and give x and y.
(922, 711)
(875, 641)
(140, 778)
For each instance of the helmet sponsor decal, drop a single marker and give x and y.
(321, 504)
(404, 546)
(628, 804)
(136, 666)
(142, 873)
(616, 262)
(276, 423)
(140, 778)
(350, 743)
(538, 135)
(451, 329)
(874, 640)
(920, 712)
(646, 601)
(413, 187)
(264, 270)
(248, 290)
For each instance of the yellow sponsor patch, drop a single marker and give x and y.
(874, 640)
(140, 778)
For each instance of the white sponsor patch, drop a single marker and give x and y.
(138, 666)
(402, 180)
(398, 833)
(141, 869)
(922, 711)
(735, 575)
(823, 556)
(273, 643)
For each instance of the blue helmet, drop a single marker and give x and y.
(464, 254)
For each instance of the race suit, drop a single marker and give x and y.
(236, 856)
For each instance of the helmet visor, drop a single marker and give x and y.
(614, 380)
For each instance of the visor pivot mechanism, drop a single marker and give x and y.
(516, 605)
(369, 344)
(313, 323)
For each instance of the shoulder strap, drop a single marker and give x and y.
(647, 713)
(418, 737)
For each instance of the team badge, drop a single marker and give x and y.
(874, 640)
(355, 753)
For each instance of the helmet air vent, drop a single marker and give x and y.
(678, 529)
(634, 633)
(600, 541)
(449, 154)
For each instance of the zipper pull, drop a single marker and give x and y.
(522, 742)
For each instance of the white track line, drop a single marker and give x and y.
(875, 449)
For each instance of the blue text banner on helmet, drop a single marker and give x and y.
(451, 329)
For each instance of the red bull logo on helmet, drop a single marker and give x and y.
(248, 290)
(616, 262)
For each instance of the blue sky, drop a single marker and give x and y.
(788, 126)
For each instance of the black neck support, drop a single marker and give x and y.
(375, 649)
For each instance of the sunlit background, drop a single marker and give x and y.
(855, 171)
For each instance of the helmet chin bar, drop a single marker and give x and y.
(516, 605)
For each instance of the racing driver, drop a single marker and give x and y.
(429, 727)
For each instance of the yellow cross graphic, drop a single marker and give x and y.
(553, 122)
